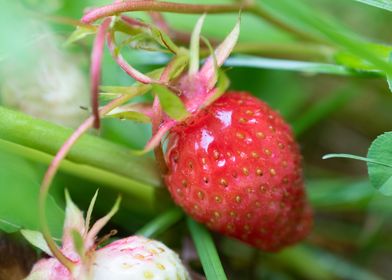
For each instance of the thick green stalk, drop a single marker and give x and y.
(47, 137)
(142, 194)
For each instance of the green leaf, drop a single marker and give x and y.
(178, 64)
(206, 249)
(163, 39)
(170, 102)
(78, 242)
(389, 76)
(381, 174)
(130, 115)
(382, 4)
(222, 85)
(195, 45)
(36, 239)
(161, 223)
(19, 197)
(131, 90)
(329, 29)
(291, 65)
(358, 63)
(80, 33)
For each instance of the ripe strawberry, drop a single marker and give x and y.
(235, 167)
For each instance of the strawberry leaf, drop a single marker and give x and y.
(379, 162)
(78, 242)
(80, 33)
(170, 102)
(222, 52)
(90, 210)
(222, 85)
(195, 46)
(178, 66)
(36, 239)
(163, 39)
(98, 225)
(381, 174)
(129, 115)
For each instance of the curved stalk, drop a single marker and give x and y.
(51, 172)
(95, 68)
(182, 8)
(159, 6)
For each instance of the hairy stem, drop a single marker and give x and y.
(95, 68)
(182, 8)
(51, 172)
(161, 6)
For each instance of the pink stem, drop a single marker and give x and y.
(138, 76)
(156, 139)
(158, 6)
(95, 68)
(133, 22)
(160, 21)
(51, 172)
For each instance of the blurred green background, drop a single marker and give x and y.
(330, 113)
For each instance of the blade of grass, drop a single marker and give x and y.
(139, 57)
(206, 249)
(389, 76)
(323, 108)
(161, 223)
(382, 4)
(292, 65)
(335, 33)
(47, 137)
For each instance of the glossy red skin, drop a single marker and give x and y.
(236, 167)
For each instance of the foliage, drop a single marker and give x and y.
(327, 73)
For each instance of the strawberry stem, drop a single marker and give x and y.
(51, 172)
(138, 76)
(158, 6)
(182, 8)
(95, 68)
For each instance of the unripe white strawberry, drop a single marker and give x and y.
(137, 257)
(133, 257)
(49, 85)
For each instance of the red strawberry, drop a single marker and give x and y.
(236, 167)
